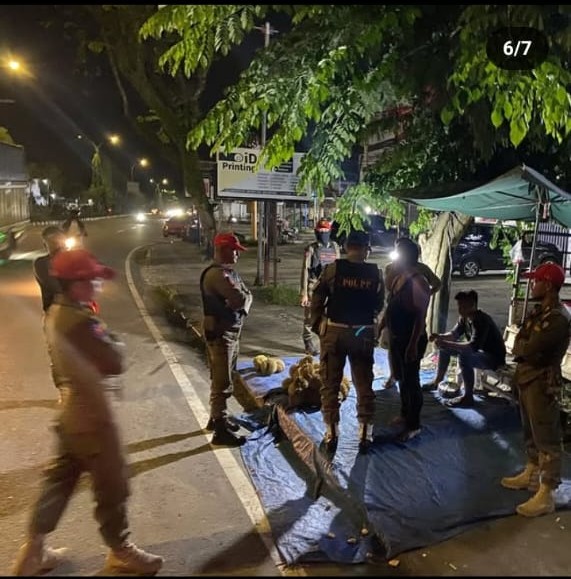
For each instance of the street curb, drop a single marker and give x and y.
(176, 312)
(179, 315)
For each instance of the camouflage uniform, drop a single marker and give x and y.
(315, 258)
(226, 302)
(352, 295)
(538, 350)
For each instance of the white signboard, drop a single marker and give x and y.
(238, 180)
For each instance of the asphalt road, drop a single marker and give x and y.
(183, 505)
(193, 505)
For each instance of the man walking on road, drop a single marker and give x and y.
(226, 302)
(538, 350)
(316, 256)
(346, 302)
(85, 352)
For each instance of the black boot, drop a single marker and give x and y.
(230, 424)
(224, 437)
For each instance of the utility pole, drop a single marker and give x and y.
(263, 206)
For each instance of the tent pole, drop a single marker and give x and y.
(540, 196)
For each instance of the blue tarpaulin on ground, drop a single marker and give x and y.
(405, 495)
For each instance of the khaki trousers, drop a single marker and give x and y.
(99, 454)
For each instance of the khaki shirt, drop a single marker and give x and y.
(540, 345)
(224, 282)
(84, 352)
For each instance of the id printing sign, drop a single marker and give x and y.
(237, 178)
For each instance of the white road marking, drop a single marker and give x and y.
(233, 470)
(28, 255)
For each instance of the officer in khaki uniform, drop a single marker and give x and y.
(346, 302)
(538, 350)
(84, 352)
(226, 302)
(315, 257)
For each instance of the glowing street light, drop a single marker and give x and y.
(142, 163)
(96, 176)
(15, 68)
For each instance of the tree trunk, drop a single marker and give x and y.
(436, 250)
(194, 186)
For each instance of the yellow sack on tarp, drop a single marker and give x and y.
(267, 365)
(303, 385)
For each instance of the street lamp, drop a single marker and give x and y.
(96, 175)
(142, 163)
(15, 68)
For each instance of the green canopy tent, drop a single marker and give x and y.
(520, 194)
(516, 195)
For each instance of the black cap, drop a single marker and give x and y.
(358, 238)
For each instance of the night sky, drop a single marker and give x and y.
(57, 102)
(54, 104)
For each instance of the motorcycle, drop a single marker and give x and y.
(289, 235)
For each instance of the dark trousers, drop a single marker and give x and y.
(338, 344)
(408, 376)
(101, 455)
(541, 421)
(306, 334)
(222, 355)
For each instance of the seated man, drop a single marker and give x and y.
(482, 348)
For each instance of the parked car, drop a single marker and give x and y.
(473, 253)
(178, 226)
(379, 233)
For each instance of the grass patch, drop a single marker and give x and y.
(279, 295)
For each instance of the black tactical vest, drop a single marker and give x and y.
(320, 258)
(355, 297)
(215, 305)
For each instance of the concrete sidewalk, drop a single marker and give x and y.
(269, 328)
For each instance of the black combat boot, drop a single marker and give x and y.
(230, 424)
(224, 437)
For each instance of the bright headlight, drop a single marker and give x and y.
(141, 217)
(394, 255)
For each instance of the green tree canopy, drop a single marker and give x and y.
(328, 75)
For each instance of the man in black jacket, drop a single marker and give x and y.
(54, 242)
(476, 340)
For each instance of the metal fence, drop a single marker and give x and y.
(558, 235)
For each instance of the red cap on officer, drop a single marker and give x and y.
(79, 264)
(228, 240)
(548, 272)
(323, 225)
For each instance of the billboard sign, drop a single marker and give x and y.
(238, 180)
